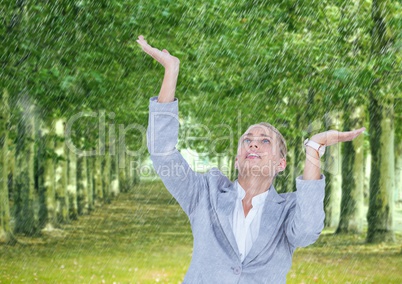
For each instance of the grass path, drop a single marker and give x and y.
(144, 237)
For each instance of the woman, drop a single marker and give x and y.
(244, 231)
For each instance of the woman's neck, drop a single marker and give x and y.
(254, 185)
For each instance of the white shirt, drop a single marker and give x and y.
(246, 229)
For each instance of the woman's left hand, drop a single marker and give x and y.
(332, 137)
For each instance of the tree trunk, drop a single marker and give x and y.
(352, 205)
(6, 235)
(128, 170)
(61, 173)
(47, 186)
(98, 188)
(122, 172)
(114, 183)
(398, 174)
(367, 173)
(299, 154)
(136, 171)
(291, 170)
(26, 203)
(106, 172)
(380, 212)
(114, 165)
(219, 159)
(82, 185)
(41, 161)
(91, 182)
(72, 184)
(11, 169)
(132, 173)
(333, 169)
(381, 112)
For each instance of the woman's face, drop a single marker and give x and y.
(258, 153)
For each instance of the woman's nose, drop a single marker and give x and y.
(253, 144)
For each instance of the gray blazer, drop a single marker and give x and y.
(288, 220)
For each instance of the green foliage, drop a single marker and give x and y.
(73, 56)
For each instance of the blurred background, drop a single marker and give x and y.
(79, 200)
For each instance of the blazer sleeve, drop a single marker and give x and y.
(162, 136)
(306, 218)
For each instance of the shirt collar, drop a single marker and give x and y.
(257, 200)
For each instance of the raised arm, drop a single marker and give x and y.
(312, 166)
(172, 66)
(162, 135)
(306, 220)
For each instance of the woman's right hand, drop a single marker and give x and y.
(170, 62)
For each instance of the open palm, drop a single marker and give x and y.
(163, 57)
(332, 137)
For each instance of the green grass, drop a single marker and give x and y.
(144, 237)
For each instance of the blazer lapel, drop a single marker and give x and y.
(272, 211)
(225, 206)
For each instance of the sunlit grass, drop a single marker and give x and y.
(347, 259)
(144, 237)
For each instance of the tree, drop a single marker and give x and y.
(381, 113)
(60, 174)
(47, 187)
(6, 235)
(26, 197)
(398, 153)
(351, 217)
(72, 184)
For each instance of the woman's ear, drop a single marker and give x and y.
(236, 164)
(282, 165)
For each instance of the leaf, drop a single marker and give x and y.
(341, 74)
